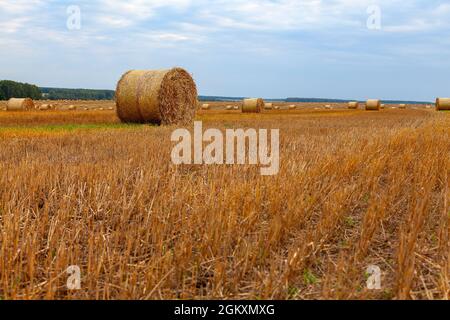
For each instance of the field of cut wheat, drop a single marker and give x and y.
(356, 190)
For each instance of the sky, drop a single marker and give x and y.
(347, 49)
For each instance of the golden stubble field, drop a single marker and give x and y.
(355, 189)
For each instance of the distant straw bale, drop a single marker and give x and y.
(373, 105)
(442, 104)
(17, 104)
(252, 105)
(353, 105)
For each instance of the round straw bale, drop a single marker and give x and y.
(268, 106)
(373, 104)
(383, 106)
(327, 106)
(442, 104)
(353, 105)
(252, 105)
(156, 96)
(72, 107)
(229, 107)
(15, 104)
(402, 106)
(205, 106)
(292, 107)
(276, 107)
(236, 107)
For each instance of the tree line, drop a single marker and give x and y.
(76, 94)
(11, 89)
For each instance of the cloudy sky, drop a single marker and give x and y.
(269, 48)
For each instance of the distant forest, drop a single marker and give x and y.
(76, 94)
(304, 100)
(11, 89)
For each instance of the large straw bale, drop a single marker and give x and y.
(156, 96)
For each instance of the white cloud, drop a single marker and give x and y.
(137, 10)
(19, 6)
(13, 25)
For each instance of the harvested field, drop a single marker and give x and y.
(355, 189)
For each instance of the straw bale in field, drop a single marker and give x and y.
(15, 104)
(156, 96)
(252, 105)
(373, 104)
(268, 106)
(353, 105)
(442, 104)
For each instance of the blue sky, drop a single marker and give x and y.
(268, 48)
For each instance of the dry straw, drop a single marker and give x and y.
(292, 107)
(402, 106)
(205, 106)
(373, 104)
(15, 104)
(229, 107)
(442, 104)
(268, 106)
(353, 105)
(236, 107)
(252, 105)
(156, 96)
